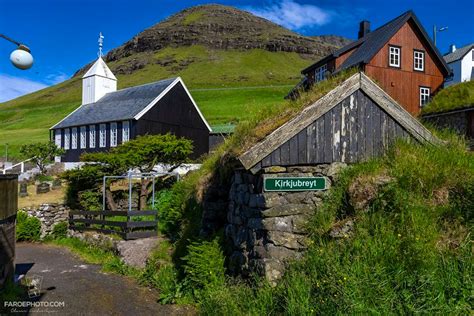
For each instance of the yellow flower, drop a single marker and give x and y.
(399, 235)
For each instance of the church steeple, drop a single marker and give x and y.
(98, 80)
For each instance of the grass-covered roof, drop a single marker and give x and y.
(454, 97)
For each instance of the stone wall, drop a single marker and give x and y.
(266, 229)
(49, 215)
(457, 120)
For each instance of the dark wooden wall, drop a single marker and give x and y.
(73, 155)
(403, 83)
(176, 114)
(354, 130)
(8, 209)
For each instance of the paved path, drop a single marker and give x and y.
(83, 288)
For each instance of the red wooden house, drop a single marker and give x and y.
(399, 55)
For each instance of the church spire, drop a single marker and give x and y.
(99, 79)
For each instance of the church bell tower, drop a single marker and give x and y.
(98, 80)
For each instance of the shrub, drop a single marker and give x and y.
(169, 204)
(90, 200)
(204, 266)
(59, 230)
(28, 228)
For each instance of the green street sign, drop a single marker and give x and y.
(294, 184)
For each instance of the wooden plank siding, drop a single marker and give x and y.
(403, 83)
(356, 129)
(175, 114)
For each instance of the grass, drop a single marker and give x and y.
(33, 199)
(228, 85)
(411, 251)
(454, 97)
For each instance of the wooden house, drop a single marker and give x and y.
(108, 117)
(399, 55)
(354, 122)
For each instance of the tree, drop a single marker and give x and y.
(143, 153)
(41, 153)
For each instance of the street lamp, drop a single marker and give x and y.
(435, 30)
(21, 57)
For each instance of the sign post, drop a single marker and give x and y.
(292, 184)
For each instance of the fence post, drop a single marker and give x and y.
(8, 210)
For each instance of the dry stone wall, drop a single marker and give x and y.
(49, 215)
(266, 229)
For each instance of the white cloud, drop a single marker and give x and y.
(56, 78)
(293, 15)
(13, 87)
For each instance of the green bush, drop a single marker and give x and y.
(204, 266)
(169, 204)
(90, 200)
(411, 251)
(28, 228)
(59, 230)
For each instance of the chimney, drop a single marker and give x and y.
(364, 28)
(452, 48)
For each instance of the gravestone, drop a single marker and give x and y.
(42, 188)
(56, 184)
(23, 189)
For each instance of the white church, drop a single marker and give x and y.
(108, 117)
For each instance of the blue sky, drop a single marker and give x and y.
(62, 34)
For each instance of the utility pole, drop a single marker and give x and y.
(435, 30)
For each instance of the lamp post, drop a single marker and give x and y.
(21, 57)
(435, 30)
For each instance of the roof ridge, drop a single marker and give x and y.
(147, 84)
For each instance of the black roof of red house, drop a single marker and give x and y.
(371, 43)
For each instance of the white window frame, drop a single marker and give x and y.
(57, 137)
(113, 134)
(83, 137)
(102, 135)
(320, 73)
(125, 131)
(67, 138)
(394, 56)
(92, 136)
(418, 60)
(74, 138)
(425, 93)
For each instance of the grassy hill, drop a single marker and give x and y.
(233, 62)
(454, 97)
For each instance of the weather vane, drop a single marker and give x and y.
(101, 43)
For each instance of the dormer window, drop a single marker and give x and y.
(418, 60)
(394, 56)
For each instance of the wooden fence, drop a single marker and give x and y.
(8, 209)
(130, 227)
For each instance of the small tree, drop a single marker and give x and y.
(143, 153)
(42, 153)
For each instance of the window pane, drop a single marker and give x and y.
(74, 138)
(67, 136)
(92, 136)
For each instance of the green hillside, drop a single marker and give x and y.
(233, 62)
(227, 85)
(454, 97)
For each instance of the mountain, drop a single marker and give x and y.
(233, 62)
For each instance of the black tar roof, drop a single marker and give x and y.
(367, 46)
(120, 105)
